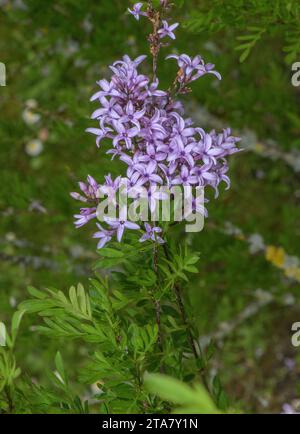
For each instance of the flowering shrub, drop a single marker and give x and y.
(151, 135)
(248, 276)
(135, 319)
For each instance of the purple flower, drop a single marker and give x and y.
(194, 205)
(86, 214)
(148, 131)
(204, 174)
(151, 234)
(192, 68)
(104, 235)
(127, 62)
(109, 110)
(206, 150)
(124, 134)
(106, 90)
(133, 184)
(132, 115)
(289, 363)
(132, 163)
(153, 126)
(180, 128)
(168, 171)
(153, 91)
(153, 196)
(184, 178)
(152, 154)
(148, 173)
(110, 188)
(206, 69)
(120, 225)
(90, 190)
(136, 11)
(167, 30)
(288, 409)
(101, 133)
(182, 152)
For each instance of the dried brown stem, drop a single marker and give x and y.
(153, 38)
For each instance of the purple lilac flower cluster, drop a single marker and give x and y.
(151, 135)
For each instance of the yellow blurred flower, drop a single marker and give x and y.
(275, 255)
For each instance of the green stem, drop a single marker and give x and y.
(186, 322)
(9, 399)
(156, 301)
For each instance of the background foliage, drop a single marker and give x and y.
(244, 296)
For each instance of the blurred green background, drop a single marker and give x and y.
(246, 295)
